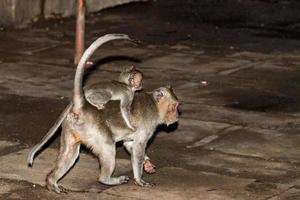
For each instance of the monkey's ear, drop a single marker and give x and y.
(158, 95)
(130, 68)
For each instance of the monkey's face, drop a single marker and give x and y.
(172, 113)
(167, 105)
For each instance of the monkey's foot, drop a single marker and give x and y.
(131, 125)
(100, 106)
(143, 183)
(149, 167)
(123, 179)
(133, 128)
(56, 188)
(115, 180)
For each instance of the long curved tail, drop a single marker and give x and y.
(78, 96)
(48, 135)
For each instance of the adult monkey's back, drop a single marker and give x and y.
(78, 97)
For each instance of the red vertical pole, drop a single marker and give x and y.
(80, 29)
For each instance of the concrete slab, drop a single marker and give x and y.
(191, 131)
(242, 166)
(5, 144)
(181, 184)
(290, 194)
(266, 144)
(82, 177)
(196, 185)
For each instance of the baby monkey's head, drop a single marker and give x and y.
(132, 77)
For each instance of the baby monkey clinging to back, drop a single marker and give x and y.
(129, 81)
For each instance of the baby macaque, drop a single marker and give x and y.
(129, 81)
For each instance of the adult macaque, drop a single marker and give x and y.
(101, 129)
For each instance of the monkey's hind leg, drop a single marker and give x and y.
(69, 151)
(107, 154)
(74, 119)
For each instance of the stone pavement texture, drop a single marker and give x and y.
(238, 135)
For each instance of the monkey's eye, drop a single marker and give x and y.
(131, 81)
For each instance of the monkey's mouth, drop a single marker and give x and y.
(172, 113)
(172, 121)
(138, 87)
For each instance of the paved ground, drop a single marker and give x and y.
(237, 78)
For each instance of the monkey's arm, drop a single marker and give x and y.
(97, 97)
(137, 157)
(125, 106)
(128, 146)
(149, 167)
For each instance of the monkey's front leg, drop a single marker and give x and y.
(149, 167)
(137, 159)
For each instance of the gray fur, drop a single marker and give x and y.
(101, 129)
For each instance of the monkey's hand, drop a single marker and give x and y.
(149, 167)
